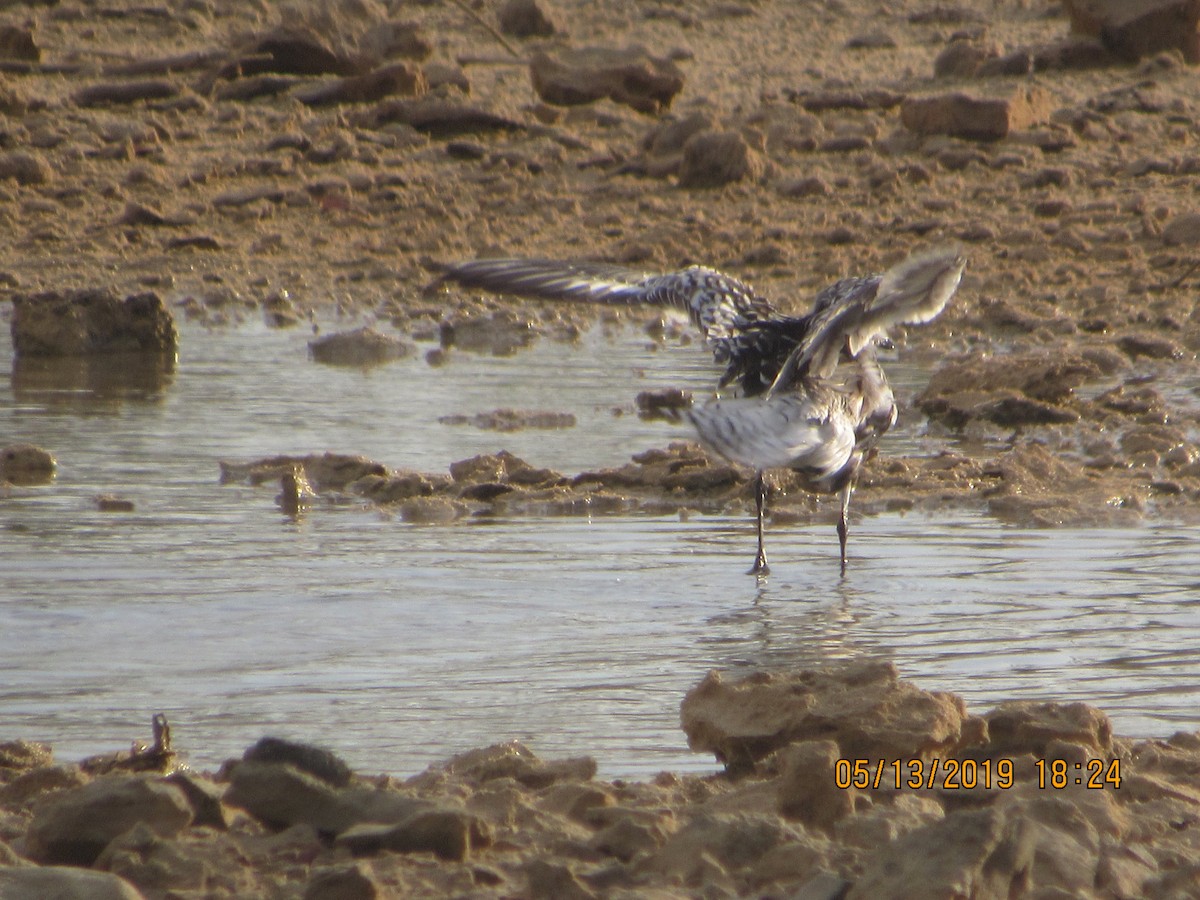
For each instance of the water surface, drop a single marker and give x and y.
(398, 645)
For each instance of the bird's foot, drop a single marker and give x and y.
(760, 567)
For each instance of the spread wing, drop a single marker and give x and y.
(853, 312)
(723, 307)
(811, 431)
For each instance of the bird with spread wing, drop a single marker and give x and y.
(804, 392)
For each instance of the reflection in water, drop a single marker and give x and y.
(91, 383)
(398, 644)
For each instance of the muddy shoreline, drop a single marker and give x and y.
(841, 782)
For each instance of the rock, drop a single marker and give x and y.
(431, 511)
(295, 493)
(516, 761)
(75, 323)
(500, 333)
(525, 18)
(976, 853)
(362, 347)
(295, 49)
(1151, 346)
(447, 833)
(393, 488)
(554, 881)
(1020, 389)
(388, 40)
(354, 882)
(324, 764)
(18, 43)
(403, 79)
(42, 780)
(328, 471)
(113, 503)
(662, 146)
(72, 828)
(980, 118)
(1133, 29)
(281, 796)
(24, 167)
(124, 92)
(861, 706)
(513, 419)
(63, 883)
(808, 789)
(1028, 727)
(436, 116)
(962, 59)
(26, 464)
(716, 158)
(1183, 230)
(203, 796)
(20, 756)
(631, 77)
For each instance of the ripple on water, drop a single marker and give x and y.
(398, 644)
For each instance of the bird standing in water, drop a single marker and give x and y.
(803, 392)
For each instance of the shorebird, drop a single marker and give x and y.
(808, 393)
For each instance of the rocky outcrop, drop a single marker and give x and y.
(76, 323)
(863, 708)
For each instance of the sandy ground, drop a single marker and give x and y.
(186, 149)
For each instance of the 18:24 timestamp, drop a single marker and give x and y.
(1095, 773)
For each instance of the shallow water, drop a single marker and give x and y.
(397, 645)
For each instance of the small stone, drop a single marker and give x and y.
(448, 834)
(631, 77)
(982, 118)
(362, 347)
(353, 882)
(1183, 230)
(808, 789)
(125, 92)
(324, 764)
(26, 464)
(716, 158)
(524, 19)
(1136, 345)
(23, 167)
(113, 503)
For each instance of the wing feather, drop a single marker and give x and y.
(722, 307)
(855, 311)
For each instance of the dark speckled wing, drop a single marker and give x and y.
(723, 308)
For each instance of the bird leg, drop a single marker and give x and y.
(760, 498)
(847, 490)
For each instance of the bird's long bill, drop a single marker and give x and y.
(794, 430)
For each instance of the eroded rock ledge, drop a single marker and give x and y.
(979, 811)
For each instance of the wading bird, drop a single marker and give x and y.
(808, 393)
